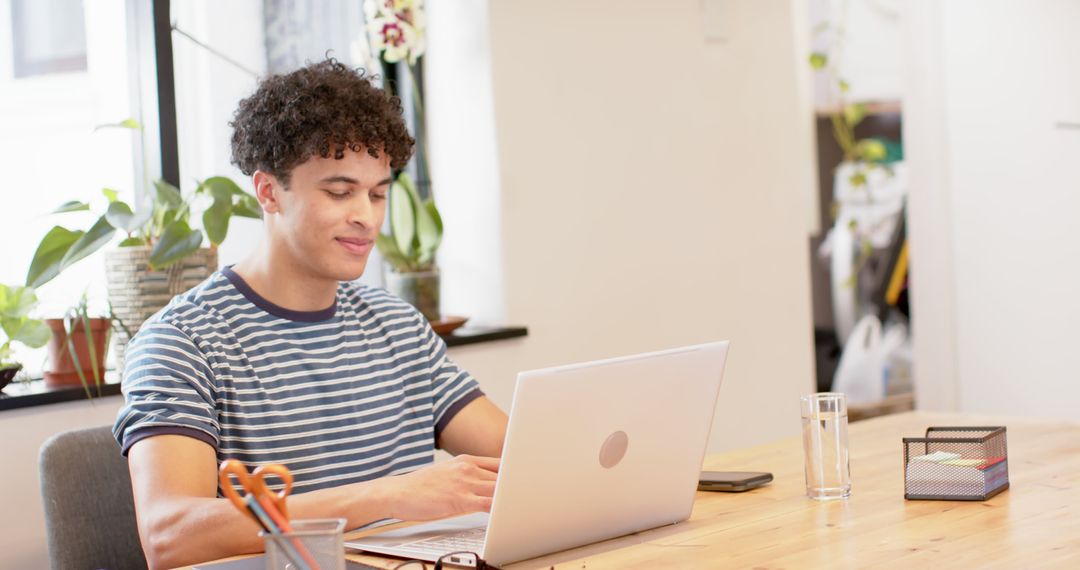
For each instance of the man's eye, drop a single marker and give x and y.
(339, 195)
(378, 195)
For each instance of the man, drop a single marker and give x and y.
(281, 358)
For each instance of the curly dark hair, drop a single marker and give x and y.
(320, 109)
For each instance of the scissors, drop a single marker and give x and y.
(264, 506)
(254, 484)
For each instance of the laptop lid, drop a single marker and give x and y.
(603, 449)
(593, 451)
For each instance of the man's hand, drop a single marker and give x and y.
(465, 484)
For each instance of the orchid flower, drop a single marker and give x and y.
(396, 29)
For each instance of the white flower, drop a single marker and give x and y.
(396, 29)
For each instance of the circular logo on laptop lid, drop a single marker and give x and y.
(613, 450)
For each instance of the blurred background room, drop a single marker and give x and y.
(867, 196)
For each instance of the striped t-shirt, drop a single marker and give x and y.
(354, 392)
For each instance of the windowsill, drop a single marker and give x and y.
(36, 393)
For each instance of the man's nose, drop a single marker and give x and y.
(362, 213)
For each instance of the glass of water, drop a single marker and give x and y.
(825, 445)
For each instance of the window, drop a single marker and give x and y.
(63, 71)
(48, 36)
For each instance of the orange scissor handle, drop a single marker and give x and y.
(260, 488)
(234, 468)
(255, 484)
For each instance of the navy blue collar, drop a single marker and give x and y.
(277, 310)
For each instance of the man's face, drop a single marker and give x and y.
(327, 220)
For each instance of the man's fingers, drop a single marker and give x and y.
(483, 488)
(485, 475)
(482, 504)
(487, 463)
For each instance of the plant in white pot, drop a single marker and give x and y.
(415, 234)
(396, 36)
(160, 254)
(868, 193)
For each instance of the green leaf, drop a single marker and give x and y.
(221, 188)
(175, 243)
(31, 332)
(167, 195)
(72, 206)
(50, 252)
(16, 302)
(390, 252)
(871, 150)
(69, 327)
(110, 194)
(402, 217)
(844, 86)
(6, 301)
(132, 242)
(94, 239)
(247, 206)
(818, 60)
(216, 220)
(120, 216)
(858, 179)
(854, 114)
(430, 229)
(128, 123)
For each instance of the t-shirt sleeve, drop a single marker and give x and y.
(452, 388)
(167, 387)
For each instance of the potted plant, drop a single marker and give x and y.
(868, 193)
(16, 303)
(396, 35)
(160, 254)
(415, 233)
(76, 351)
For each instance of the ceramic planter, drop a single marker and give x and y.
(420, 290)
(136, 292)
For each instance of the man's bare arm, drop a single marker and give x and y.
(477, 429)
(181, 520)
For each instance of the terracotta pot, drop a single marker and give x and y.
(60, 371)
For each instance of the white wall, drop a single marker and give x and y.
(22, 527)
(653, 195)
(994, 205)
(460, 112)
(870, 59)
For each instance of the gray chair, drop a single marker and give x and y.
(89, 509)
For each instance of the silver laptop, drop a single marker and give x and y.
(593, 451)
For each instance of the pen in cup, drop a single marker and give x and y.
(267, 522)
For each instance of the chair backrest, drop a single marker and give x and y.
(89, 509)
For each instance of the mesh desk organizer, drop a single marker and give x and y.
(956, 464)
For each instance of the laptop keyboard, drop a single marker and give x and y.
(471, 540)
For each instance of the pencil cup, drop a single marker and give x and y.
(314, 544)
(825, 446)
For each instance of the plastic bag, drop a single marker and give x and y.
(861, 374)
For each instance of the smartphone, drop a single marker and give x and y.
(732, 481)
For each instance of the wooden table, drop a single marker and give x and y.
(1036, 523)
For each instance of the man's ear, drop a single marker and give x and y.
(266, 191)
